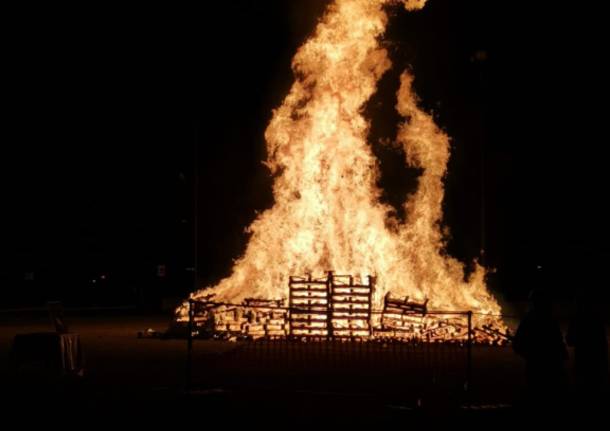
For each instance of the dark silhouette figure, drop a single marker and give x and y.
(539, 341)
(587, 333)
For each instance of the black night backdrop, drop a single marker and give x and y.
(104, 108)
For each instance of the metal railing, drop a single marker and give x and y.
(327, 351)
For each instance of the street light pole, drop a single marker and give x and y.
(191, 302)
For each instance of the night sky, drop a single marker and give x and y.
(104, 108)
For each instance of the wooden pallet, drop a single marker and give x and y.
(334, 306)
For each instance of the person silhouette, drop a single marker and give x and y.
(587, 334)
(539, 341)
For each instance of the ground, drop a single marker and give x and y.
(146, 378)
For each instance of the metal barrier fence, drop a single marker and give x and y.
(402, 360)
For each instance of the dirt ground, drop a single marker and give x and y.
(143, 376)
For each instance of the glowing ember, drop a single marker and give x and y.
(327, 214)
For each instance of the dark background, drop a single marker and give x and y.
(104, 108)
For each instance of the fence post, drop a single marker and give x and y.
(189, 345)
(469, 353)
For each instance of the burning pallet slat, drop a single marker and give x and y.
(263, 303)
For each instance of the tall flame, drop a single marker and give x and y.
(327, 213)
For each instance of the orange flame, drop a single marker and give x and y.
(327, 214)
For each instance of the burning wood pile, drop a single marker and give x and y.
(327, 211)
(336, 307)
